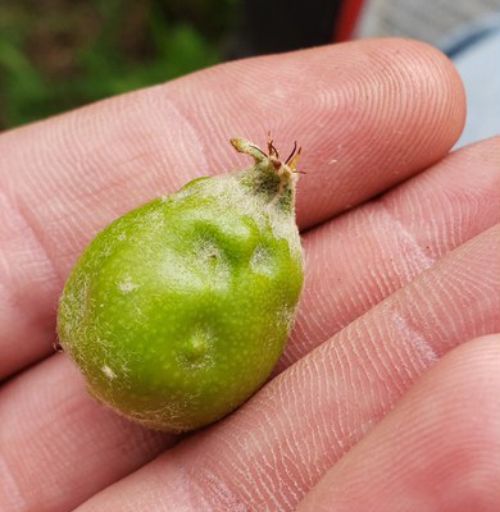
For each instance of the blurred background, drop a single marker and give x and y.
(59, 54)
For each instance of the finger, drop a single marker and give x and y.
(438, 451)
(268, 454)
(356, 260)
(50, 461)
(462, 203)
(354, 108)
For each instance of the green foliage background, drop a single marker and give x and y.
(59, 54)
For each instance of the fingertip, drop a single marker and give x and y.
(389, 107)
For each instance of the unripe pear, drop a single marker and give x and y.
(177, 312)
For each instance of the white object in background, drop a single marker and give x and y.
(427, 20)
(479, 67)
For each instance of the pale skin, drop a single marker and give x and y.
(386, 398)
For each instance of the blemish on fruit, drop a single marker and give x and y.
(110, 374)
(262, 261)
(127, 285)
(196, 350)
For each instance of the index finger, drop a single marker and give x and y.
(369, 114)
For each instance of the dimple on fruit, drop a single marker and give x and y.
(177, 312)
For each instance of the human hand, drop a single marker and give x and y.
(410, 272)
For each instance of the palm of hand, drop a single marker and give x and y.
(392, 285)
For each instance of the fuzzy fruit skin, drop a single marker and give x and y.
(177, 312)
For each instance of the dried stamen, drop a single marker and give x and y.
(292, 153)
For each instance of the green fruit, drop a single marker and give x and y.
(177, 312)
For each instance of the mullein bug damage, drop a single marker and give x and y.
(177, 312)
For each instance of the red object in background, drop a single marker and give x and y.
(347, 19)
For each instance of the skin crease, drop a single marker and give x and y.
(369, 115)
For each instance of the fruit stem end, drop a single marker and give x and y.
(268, 166)
(284, 168)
